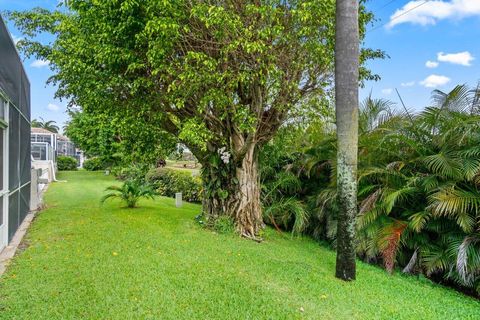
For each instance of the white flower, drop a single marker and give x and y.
(224, 155)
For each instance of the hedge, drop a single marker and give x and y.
(65, 163)
(168, 181)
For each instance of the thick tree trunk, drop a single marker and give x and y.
(242, 203)
(346, 96)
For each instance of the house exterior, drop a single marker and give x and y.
(47, 145)
(15, 159)
(65, 147)
(44, 144)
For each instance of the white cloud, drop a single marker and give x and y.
(429, 13)
(434, 81)
(387, 91)
(53, 107)
(462, 58)
(408, 84)
(39, 63)
(431, 64)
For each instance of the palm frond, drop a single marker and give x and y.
(287, 212)
(467, 276)
(445, 164)
(461, 205)
(369, 202)
(411, 263)
(458, 99)
(109, 196)
(419, 220)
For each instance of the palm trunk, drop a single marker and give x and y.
(346, 96)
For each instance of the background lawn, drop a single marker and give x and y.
(86, 261)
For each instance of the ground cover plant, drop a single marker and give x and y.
(82, 260)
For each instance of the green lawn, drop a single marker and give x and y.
(85, 261)
(179, 166)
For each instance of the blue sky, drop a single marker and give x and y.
(432, 44)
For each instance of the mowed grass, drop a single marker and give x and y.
(86, 261)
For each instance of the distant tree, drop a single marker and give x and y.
(112, 138)
(47, 125)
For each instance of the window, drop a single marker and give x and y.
(39, 151)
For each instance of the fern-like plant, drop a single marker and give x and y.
(130, 192)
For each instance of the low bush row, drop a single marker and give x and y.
(95, 164)
(65, 163)
(167, 182)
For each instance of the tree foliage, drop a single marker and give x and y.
(119, 141)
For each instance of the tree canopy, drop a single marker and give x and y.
(119, 141)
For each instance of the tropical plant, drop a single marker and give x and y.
(47, 125)
(281, 206)
(130, 192)
(419, 191)
(419, 186)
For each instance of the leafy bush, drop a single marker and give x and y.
(65, 163)
(94, 164)
(133, 172)
(167, 182)
(130, 192)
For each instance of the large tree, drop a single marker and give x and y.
(346, 105)
(119, 139)
(223, 75)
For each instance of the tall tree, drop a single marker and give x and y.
(50, 125)
(346, 104)
(222, 75)
(119, 139)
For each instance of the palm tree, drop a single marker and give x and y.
(47, 125)
(346, 99)
(130, 193)
(421, 208)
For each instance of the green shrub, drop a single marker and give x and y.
(94, 164)
(133, 172)
(65, 163)
(167, 182)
